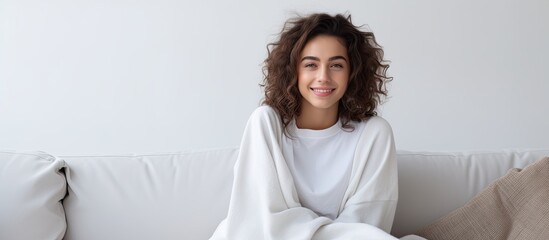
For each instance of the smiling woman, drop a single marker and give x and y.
(316, 162)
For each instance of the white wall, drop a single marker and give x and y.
(119, 76)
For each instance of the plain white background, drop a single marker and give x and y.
(121, 76)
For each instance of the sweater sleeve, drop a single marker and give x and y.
(264, 202)
(372, 194)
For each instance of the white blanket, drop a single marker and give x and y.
(264, 202)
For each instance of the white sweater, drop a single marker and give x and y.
(320, 162)
(264, 202)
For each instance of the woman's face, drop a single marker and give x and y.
(323, 73)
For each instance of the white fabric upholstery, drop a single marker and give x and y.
(31, 190)
(165, 196)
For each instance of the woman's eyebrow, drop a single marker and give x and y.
(337, 57)
(318, 59)
(310, 58)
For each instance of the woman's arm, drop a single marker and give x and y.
(373, 190)
(262, 206)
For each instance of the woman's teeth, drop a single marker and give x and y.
(322, 90)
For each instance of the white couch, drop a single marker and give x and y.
(184, 195)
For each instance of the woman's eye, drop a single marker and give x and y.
(310, 65)
(337, 65)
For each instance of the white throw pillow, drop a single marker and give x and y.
(31, 190)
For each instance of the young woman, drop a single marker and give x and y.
(315, 161)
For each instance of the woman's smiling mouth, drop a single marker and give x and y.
(322, 92)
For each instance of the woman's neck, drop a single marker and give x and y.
(317, 119)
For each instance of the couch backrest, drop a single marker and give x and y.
(185, 195)
(165, 196)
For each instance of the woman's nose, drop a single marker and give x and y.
(323, 74)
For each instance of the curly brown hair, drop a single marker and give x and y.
(368, 75)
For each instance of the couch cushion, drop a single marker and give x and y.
(165, 196)
(31, 190)
(432, 185)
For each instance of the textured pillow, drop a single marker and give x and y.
(31, 190)
(515, 206)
